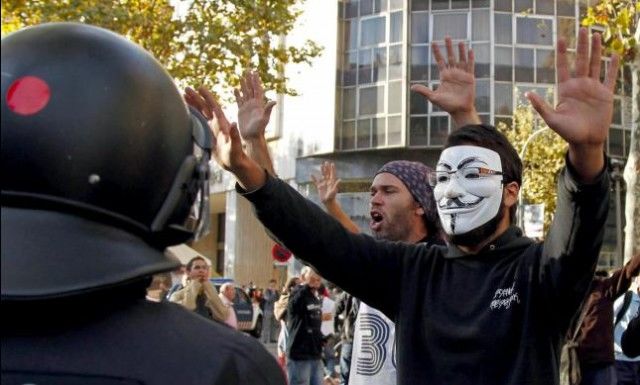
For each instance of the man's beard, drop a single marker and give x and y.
(479, 234)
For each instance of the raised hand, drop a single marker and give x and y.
(228, 150)
(253, 112)
(457, 90)
(327, 185)
(585, 104)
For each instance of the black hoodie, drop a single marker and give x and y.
(494, 318)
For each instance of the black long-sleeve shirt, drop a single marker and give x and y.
(304, 320)
(496, 317)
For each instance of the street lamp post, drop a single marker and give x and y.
(520, 195)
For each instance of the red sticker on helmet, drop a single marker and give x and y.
(28, 95)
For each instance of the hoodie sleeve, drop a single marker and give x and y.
(572, 246)
(352, 261)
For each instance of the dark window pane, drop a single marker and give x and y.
(627, 142)
(533, 30)
(523, 6)
(617, 111)
(379, 128)
(503, 64)
(371, 101)
(460, 4)
(349, 103)
(483, 60)
(350, 34)
(485, 118)
(524, 64)
(480, 24)
(453, 24)
(395, 62)
(364, 66)
(480, 3)
(567, 29)
(502, 5)
(616, 144)
(395, 97)
(545, 66)
(420, 28)
(348, 135)
(419, 63)
(350, 69)
(503, 28)
(363, 133)
(396, 27)
(380, 64)
(351, 9)
(366, 7)
(627, 80)
(419, 104)
(394, 132)
(567, 8)
(439, 130)
(419, 5)
(372, 31)
(545, 7)
(439, 4)
(483, 96)
(419, 127)
(503, 104)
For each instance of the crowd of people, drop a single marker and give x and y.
(108, 166)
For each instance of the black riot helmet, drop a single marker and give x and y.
(103, 164)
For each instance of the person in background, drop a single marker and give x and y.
(595, 337)
(270, 325)
(280, 313)
(198, 294)
(227, 295)
(626, 308)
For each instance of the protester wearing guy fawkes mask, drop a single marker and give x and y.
(493, 311)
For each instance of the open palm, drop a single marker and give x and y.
(327, 185)
(253, 112)
(585, 104)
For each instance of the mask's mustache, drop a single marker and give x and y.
(456, 203)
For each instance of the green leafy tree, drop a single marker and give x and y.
(542, 160)
(203, 42)
(619, 20)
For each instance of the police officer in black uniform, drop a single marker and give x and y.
(103, 166)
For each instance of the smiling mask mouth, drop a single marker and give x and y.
(457, 204)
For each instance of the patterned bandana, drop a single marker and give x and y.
(415, 176)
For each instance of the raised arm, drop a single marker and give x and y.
(254, 113)
(457, 90)
(583, 114)
(327, 186)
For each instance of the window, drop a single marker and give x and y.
(419, 104)
(502, 5)
(395, 62)
(364, 133)
(524, 65)
(394, 130)
(534, 31)
(420, 28)
(350, 65)
(482, 96)
(348, 135)
(503, 103)
(439, 130)
(380, 64)
(395, 97)
(371, 100)
(483, 60)
(419, 5)
(545, 66)
(523, 6)
(503, 64)
(567, 29)
(419, 63)
(616, 142)
(349, 103)
(419, 127)
(350, 30)
(503, 28)
(372, 31)
(395, 33)
(545, 7)
(379, 129)
(450, 24)
(364, 66)
(567, 8)
(480, 23)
